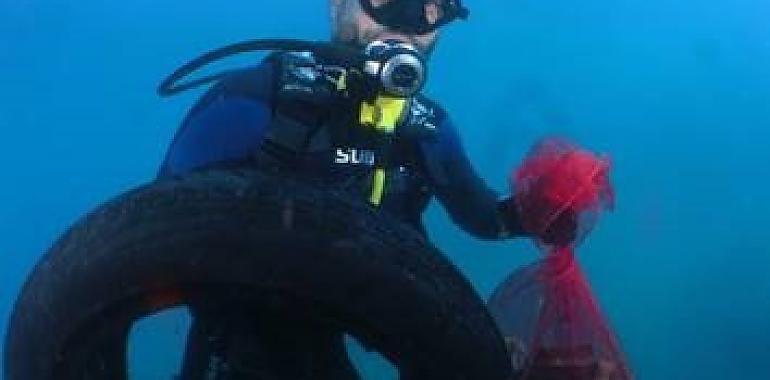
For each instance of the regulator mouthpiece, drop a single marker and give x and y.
(398, 67)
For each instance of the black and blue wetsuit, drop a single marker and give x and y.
(230, 123)
(240, 120)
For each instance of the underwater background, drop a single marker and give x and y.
(677, 93)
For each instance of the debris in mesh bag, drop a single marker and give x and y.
(553, 326)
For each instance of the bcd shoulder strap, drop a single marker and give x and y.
(300, 106)
(305, 101)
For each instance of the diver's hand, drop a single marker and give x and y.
(562, 231)
(510, 220)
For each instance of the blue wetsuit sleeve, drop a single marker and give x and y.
(471, 204)
(227, 124)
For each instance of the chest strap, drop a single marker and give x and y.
(384, 114)
(306, 105)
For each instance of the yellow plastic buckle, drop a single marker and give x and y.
(384, 114)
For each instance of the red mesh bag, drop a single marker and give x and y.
(546, 311)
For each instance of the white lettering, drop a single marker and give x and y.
(342, 157)
(354, 156)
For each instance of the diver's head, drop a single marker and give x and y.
(416, 22)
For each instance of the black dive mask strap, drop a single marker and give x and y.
(409, 16)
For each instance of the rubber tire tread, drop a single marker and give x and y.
(336, 258)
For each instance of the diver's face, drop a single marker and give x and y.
(352, 25)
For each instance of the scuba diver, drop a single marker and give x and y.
(286, 214)
(306, 115)
(289, 112)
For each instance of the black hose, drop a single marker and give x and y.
(331, 52)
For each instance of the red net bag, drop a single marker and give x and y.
(546, 311)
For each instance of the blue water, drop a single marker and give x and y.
(678, 93)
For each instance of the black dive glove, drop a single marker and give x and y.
(561, 232)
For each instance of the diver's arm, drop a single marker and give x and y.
(469, 201)
(226, 125)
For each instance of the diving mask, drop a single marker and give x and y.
(415, 16)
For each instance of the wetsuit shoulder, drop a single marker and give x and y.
(442, 140)
(471, 204)
(226, 124)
